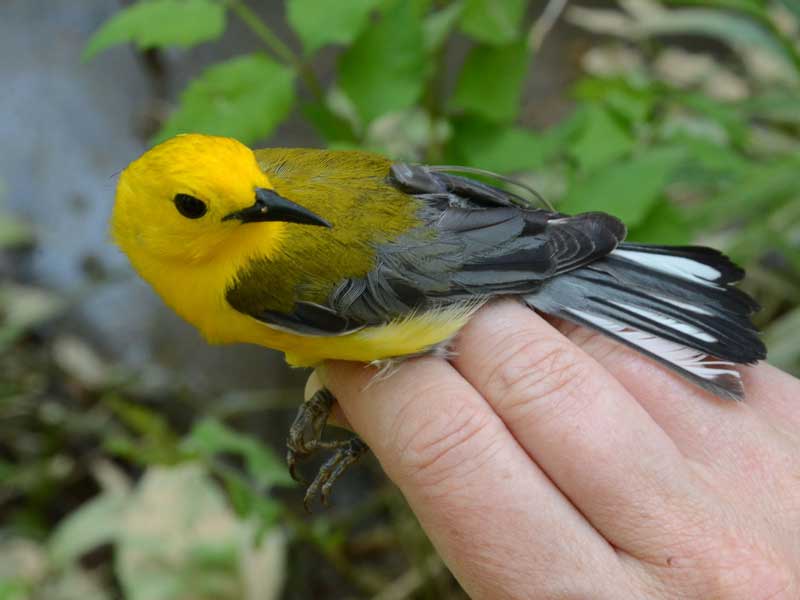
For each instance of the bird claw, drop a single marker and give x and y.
(305, 439)
(346, 455)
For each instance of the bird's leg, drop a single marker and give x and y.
(346, 455)
(305, 434)
(305, 438)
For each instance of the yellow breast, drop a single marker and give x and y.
(197, 293)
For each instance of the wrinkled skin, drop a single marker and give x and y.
(557, 464)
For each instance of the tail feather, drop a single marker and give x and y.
(674, 304)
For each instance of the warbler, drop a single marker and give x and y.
(332, 254)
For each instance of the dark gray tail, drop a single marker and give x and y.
(674, 304)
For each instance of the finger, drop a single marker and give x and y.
(492, 514)
(593, 439)
(775, 393)
(705, 428)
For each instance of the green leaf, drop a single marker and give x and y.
(322, 22)
(602, 141)
(478, 143)
(245, 98)
(664, 224)
(490, 83)
(627, 189)
(247, 501)
(493, 21)
(384, 70)
(210, 437)
(156, 23)
(632, 103)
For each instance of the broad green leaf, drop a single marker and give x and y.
(602, 141)
(322, 22)
(664, 224)
(210, 437)
(157, 23)
(490, 83)
(384, 70)
(501, 149)
(493, 21)
(627, 189)
(438, 25)
(633, 103)
(244, 98)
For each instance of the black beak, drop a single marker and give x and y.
(269, 206)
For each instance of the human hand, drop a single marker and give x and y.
(550, 465)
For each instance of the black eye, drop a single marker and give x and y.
(189, 206)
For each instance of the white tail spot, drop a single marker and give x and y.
(680, 266)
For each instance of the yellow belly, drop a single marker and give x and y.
(197, 293)
(410, 335)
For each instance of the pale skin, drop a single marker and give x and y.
(545, 461)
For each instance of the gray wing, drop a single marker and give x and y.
(474, 241)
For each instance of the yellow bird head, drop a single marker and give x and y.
(184, 198)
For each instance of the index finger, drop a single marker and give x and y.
(593, 439)
(489, 510)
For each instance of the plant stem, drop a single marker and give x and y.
(546, 21)
(276, 45)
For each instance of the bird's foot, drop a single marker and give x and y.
(305, 438)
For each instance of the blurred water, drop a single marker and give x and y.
(67, 128)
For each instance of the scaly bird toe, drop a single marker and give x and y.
(347, 454)
(305, 438)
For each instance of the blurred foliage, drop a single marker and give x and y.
(684, 123)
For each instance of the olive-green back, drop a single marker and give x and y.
(350, 190)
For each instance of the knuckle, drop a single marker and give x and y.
(733, 569)
(744, 571)
(539, 370)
